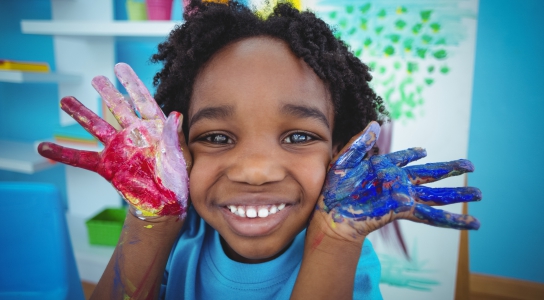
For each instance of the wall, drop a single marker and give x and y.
(28, 111)
(506, 141)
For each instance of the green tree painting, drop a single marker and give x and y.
(407, 46)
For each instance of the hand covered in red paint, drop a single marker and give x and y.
(144, 161)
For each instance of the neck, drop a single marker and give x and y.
(239, 258)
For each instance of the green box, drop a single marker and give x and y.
(105, 228)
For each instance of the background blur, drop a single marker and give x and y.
(505, 143)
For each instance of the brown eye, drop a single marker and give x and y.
(218, 139)
(298, 138)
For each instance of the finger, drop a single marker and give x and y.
(404, 157)
(173, 140)
(139, 94)
(78, 158)
(90, 121)
(354, 152)
(436, 171)
(436, 217)
(119, 107)
(444, 196)
(172, 167)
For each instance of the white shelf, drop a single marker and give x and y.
(38, 77)
(22, 157)
(99, 28)
(91, 260)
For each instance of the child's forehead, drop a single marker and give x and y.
(258, 71)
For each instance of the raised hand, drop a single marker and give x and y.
(144, 161)
(362, 194)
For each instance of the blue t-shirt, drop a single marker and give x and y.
(198, 268)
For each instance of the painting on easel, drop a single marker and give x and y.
(421, 53)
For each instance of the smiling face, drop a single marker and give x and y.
(260, 132)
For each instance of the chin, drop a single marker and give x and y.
(255, 250)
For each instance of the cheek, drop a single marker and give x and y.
(200, 180)
(311, 173)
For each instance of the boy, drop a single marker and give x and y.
(267, 105)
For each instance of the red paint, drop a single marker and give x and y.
(318, 239)
(132, 171)
(129, 164)
(140, 289)
(88, 119)
(83, 159)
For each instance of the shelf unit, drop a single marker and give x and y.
(84, 35)
(22, 157)
(37, 77)
(140, 29)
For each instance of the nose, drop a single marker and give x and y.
(257, 167)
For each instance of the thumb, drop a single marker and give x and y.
(173, 139)
(355, 150)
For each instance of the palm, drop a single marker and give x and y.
(143, 161)
(362, 195)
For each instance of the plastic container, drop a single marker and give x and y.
(10, 65)
(136, 10)
(159, 10)
(105, 227)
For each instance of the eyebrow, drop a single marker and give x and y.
(213, 112)
(303, 111)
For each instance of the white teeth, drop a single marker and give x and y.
(251, 213)
(263, 213)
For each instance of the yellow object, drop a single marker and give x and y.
(136, 10)
(75, 141)
(10, 65)
(296, 3)
(217, 1)
(268, 7)
(148, 226)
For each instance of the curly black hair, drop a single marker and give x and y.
(211, 26)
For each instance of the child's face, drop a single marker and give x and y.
(260, 132)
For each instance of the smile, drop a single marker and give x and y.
(249, 211)
(254, 219)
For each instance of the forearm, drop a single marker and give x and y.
(138, 262)
(328, 265)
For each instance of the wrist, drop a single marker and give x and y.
(322, 230)
(158, 226)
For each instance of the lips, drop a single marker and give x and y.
(256, 216)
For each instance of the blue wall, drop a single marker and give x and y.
(506, 140)
(28, 111)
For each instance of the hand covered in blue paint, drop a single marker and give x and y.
(362, 194)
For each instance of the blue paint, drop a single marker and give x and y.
(436, 171)
(444, 196)
(357, 189)
(440, 218)
(402, 158)
(355, 153)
